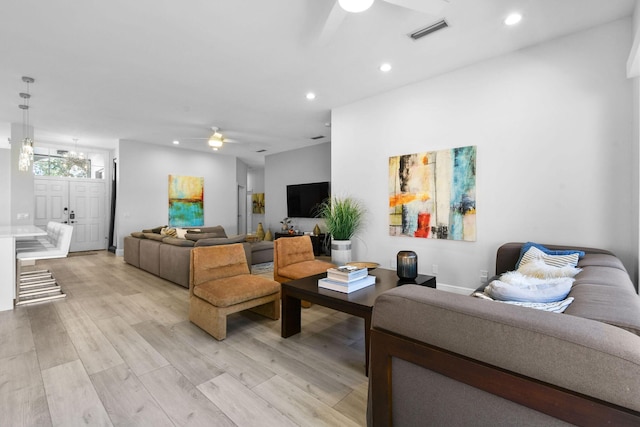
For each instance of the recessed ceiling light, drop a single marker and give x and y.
(385, 68)
(176, 142)
(513, 19)
(311, 96)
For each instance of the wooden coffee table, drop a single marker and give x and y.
(358, 303)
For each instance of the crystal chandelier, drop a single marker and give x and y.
(75, 155)
(26, 150)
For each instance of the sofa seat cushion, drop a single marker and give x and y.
(304, 269)
(601, 260)
(234, 290)
(178, 242)
(612, 305)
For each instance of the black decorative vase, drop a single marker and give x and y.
(407, 265)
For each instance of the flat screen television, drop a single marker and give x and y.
(303, 199)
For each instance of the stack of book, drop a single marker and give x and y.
(346, 279)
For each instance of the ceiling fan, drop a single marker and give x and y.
(216, 140)
(341, 8)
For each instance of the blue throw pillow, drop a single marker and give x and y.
(528, 245)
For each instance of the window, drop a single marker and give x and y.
(63, 163)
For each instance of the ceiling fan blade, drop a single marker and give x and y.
(331, 23)
(430, 7)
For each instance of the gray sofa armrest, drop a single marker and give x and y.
(581, 355)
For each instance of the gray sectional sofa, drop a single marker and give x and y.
(439, 358)
(168, 256)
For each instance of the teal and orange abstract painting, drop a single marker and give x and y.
(186, 201)
(433, 194)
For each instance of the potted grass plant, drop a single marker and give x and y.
(342, 216)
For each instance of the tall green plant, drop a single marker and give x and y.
(342, 216)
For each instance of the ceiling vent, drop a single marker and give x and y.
(261, 151)
(317, 137)
(440, 25)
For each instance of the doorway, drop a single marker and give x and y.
(242, 209)
(75, 201)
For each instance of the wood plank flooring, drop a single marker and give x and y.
(119, 350)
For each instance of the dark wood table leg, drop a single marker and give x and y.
(367, 341)
(291, 318)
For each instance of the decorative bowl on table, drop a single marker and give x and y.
(368, 265)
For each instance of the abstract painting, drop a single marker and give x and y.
(257, 199)
(186, 201)
(433, 194)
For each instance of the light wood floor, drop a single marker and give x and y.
(119, 350)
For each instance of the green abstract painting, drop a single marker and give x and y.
(186, 201)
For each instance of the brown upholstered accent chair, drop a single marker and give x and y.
(293, 259)
(220, 284)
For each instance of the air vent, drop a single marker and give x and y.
(261, 151)
(317, 137)
(428, 30)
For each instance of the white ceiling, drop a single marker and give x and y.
(159, 70)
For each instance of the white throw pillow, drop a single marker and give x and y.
(540, 269)
(181, 233)
(529, 289)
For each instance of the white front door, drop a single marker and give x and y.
(52, 201)
(74, 201)
(87, 214)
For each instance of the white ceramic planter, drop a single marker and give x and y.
(340, 251)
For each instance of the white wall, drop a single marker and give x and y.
(302, 166)
(142, 195)
(22, 192)
(5, 189)
(635, 75)
(553, 127)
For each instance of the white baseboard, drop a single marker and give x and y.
(119, 252)
(455, 289)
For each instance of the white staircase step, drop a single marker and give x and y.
(37, 284)
(49, 290)
(32, 272)
(34, 300)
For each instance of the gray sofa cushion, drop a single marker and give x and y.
(217, 231)
(138, 234)
(132, 251)
(605, 276)
(155, 230)
(601, 260)
(177, 242)
(221, 241)
(154, 236)
(198, 236)
(613, 305)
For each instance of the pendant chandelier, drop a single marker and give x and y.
(75, 155)
(26, 149)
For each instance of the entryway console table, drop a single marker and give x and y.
(8, 236)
